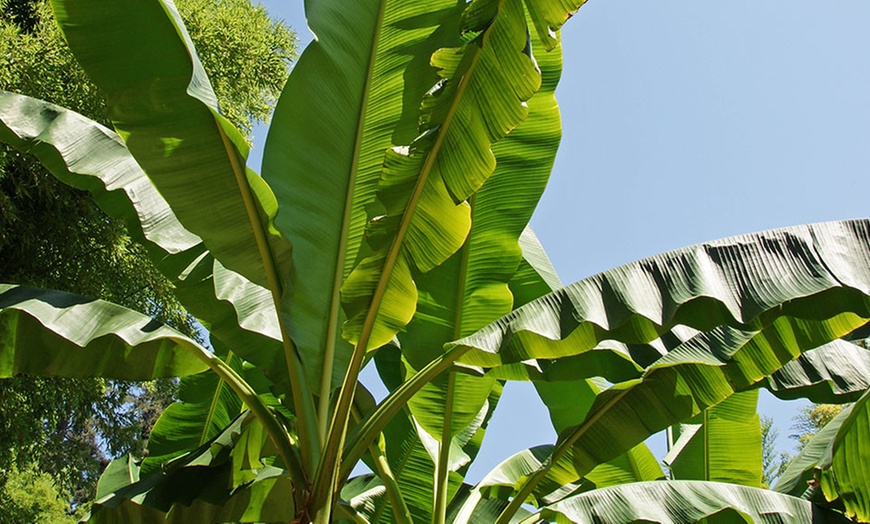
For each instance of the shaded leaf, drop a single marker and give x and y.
(201, 485)
(834, 373)
(845, 475)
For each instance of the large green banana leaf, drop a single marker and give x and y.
(194, 157)
(722, 444)
(162, 104)
(806, 272)
(424, 185)
(476, 285)
(826, 262)
(470, 289)
(369, 60)
(55, 333)
(686, 501)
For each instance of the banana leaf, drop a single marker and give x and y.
(61, 334)
(686, 501)
(722, 444)
(216, 482)
(195, 158)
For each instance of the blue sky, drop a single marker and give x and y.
(686, 121)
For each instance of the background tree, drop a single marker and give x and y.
(54, 236)
(773, 463)
(31, 495)
(812, 419)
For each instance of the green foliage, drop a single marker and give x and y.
(54, 236)
(811, 419)
(29, 495)
(245, 52)
(773, 463)
(54, 423)
(409, 149)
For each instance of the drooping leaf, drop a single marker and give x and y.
(162, 105)
(812, 272)
(685, 501)
(195, 158)
(835, 373)
(821, 294)
(88, 156)
(52, 333)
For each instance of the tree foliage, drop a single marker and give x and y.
(30, 495)
(773, 462)
(812, 419)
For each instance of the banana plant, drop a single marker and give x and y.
(389, 228)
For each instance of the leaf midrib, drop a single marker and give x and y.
(338, 275)
(335, 439)
(301, 397)
(213, 406)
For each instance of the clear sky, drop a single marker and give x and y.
(686, 121)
